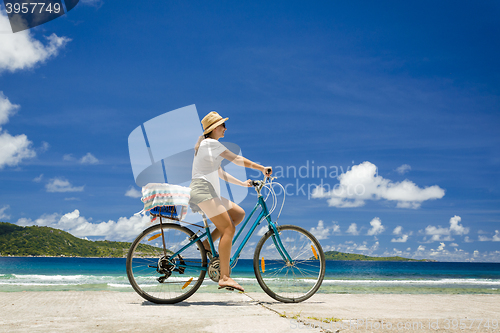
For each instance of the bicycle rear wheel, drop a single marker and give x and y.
(161, 279)
(289, 282)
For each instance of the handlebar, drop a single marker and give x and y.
(256, 182)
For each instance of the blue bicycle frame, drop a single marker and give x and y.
(264, 214)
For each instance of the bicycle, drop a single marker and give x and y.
(288, 261)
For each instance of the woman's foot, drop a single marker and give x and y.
(227, 282)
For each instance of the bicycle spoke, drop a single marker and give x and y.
(171, 279)
(296, 281)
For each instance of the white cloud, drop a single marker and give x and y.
(395, 252)
(368, 250)
(408, 204)
(21, 51)
(439, 252)
(455, 255)
(456, 228)
(320, 232)
(403, 169)
(124, 229)
(13, 149)
(38, 179)
(444, 234)
(442, 254)
(352, 247)
(376, 228)
(62, 185)
(362, 183)
(398, 230)
(439, 238)
(495, 238)
(7, 109)
(133, 193)
(89, 159)
(68, 157)
(45, 146)
(362, 248)
(440, 231)
(353, 229)
(262, 231)
(2, 212)
(401, 239)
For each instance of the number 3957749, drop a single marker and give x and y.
(32, 7)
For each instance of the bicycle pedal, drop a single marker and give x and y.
(227, 288)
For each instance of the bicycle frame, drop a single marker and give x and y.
(264, 214)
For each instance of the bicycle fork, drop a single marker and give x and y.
(279, 245)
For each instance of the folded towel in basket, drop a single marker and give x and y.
(162, 194)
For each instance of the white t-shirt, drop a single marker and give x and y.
(207, 161)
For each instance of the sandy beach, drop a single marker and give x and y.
(70, 311)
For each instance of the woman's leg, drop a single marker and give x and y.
(236, 213)
(215, 209)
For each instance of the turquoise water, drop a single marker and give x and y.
(50, 274)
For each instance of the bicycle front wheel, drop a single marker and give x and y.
(166, 279)
(289, 281)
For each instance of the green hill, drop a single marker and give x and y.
(45, 241)
(334, 255)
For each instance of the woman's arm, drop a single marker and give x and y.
(228, 178)
(244, 162)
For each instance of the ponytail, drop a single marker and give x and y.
(200, 139)
(197, 145)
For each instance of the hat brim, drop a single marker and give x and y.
(214, 125)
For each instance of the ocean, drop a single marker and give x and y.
(109, 274)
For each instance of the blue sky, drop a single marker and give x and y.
(410, 90)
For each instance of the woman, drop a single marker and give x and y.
(205, 190)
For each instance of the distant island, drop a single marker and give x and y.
(49, 242)
(41, 241)
(334, 255)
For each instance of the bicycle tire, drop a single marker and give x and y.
(143, 260)
(290, 283)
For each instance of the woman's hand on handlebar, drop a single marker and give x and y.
(248, 183)
(268, 171)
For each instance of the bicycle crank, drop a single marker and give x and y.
(214, 270)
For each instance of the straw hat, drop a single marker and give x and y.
(211, 121)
